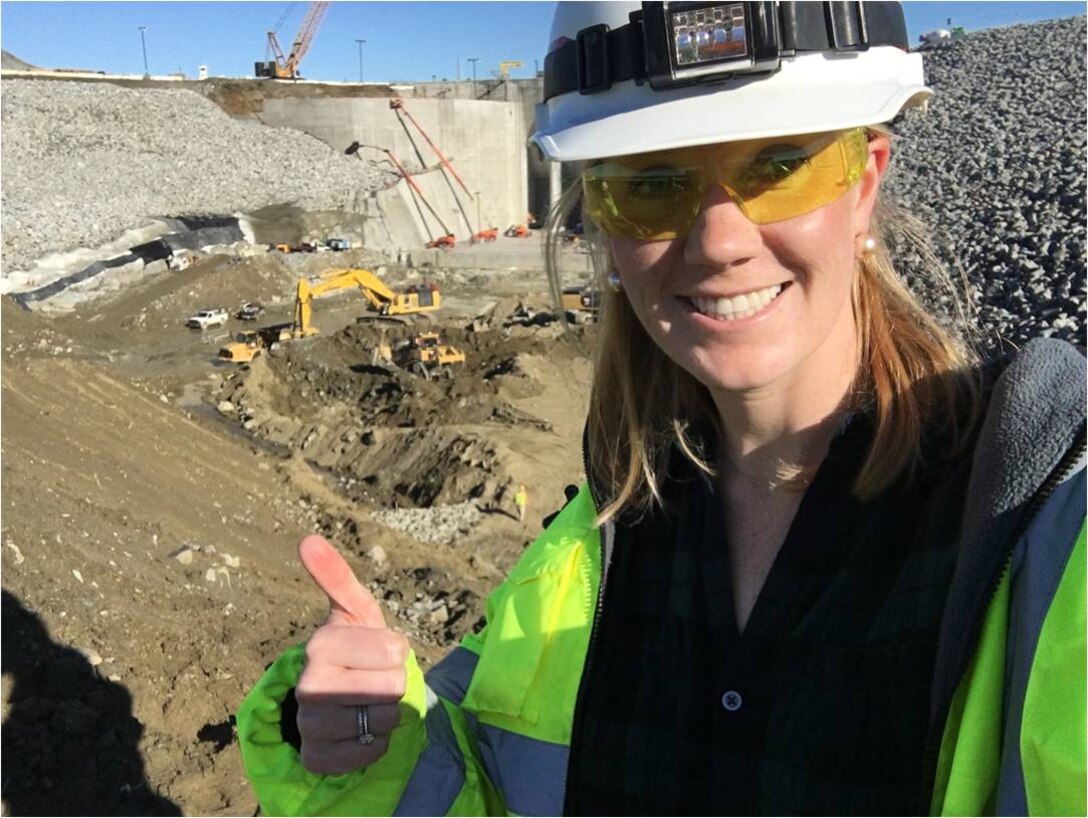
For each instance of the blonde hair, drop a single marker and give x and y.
(916, 373)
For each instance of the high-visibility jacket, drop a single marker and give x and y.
(488, 730)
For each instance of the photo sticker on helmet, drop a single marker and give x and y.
(709, 34)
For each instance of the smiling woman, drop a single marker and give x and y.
(823, 560)
(775, 284)
(758, 356)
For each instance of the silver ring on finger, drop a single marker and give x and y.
(362, 719)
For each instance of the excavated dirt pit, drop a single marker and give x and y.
(153, 497)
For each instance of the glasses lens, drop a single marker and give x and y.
(657, 196)
(784, 181)
(650, 203)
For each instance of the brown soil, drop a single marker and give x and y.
(245, 98)
(122, 663)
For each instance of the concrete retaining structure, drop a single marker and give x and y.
(484, 141)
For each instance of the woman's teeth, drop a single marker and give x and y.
(740, 306)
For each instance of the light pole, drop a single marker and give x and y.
(143, 45)
(474, 60)
(361, 43)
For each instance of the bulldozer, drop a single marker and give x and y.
(386, 304)
(424, 355)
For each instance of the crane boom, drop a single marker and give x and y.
(306, 34)
(287, 67)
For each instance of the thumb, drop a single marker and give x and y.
(349, 602)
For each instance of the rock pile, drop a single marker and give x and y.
(83, 162)
(996, 168)
(441, 524)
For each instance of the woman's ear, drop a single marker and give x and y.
(880, 151)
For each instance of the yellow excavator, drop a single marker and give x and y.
(387, 305)
(418, 300)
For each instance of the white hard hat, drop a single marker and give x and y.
(624, 77)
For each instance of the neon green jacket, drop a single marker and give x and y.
(488, 731)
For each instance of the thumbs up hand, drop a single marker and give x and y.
(355, 673)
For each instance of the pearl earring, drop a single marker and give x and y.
(868, 246)
(614, 282)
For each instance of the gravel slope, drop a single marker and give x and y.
(996, 168)
(82, 162)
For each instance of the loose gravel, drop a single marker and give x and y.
(441, 524)
(996, 168)
(83, 162)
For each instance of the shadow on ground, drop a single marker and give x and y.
(70, 741)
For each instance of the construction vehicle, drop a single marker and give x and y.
(505, 66)
(283, 248)
(581, 304)
(389, 305)
(250, 311)
(447, 242)
(338, 245)
(286, 68)
(424, 355)
(208, 318)
(446, 239)
(516, 231)
(249, 344)
(487, 234)
(397, 106)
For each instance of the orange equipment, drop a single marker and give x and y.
(446, 242)
(517, 231)
(286, 68)
(490, 234)
(398, 107)
(447, 236)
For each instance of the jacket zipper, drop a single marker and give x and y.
(937, 727)
(576, 726)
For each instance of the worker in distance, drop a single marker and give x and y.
(824, 560)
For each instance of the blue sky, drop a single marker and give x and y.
(404, 40)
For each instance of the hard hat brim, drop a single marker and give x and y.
(811, 93)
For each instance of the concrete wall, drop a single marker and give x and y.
(525, 93)
(484, 141)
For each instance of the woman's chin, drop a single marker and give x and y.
(737, 373)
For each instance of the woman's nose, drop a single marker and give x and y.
(722, 235)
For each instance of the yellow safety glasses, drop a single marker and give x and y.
(657, 196)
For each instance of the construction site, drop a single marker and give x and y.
(306, 307)
(363, 347)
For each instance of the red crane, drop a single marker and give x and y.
(286, 68)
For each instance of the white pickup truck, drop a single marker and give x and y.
(205, 319)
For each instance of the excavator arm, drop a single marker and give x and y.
(373, 289)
